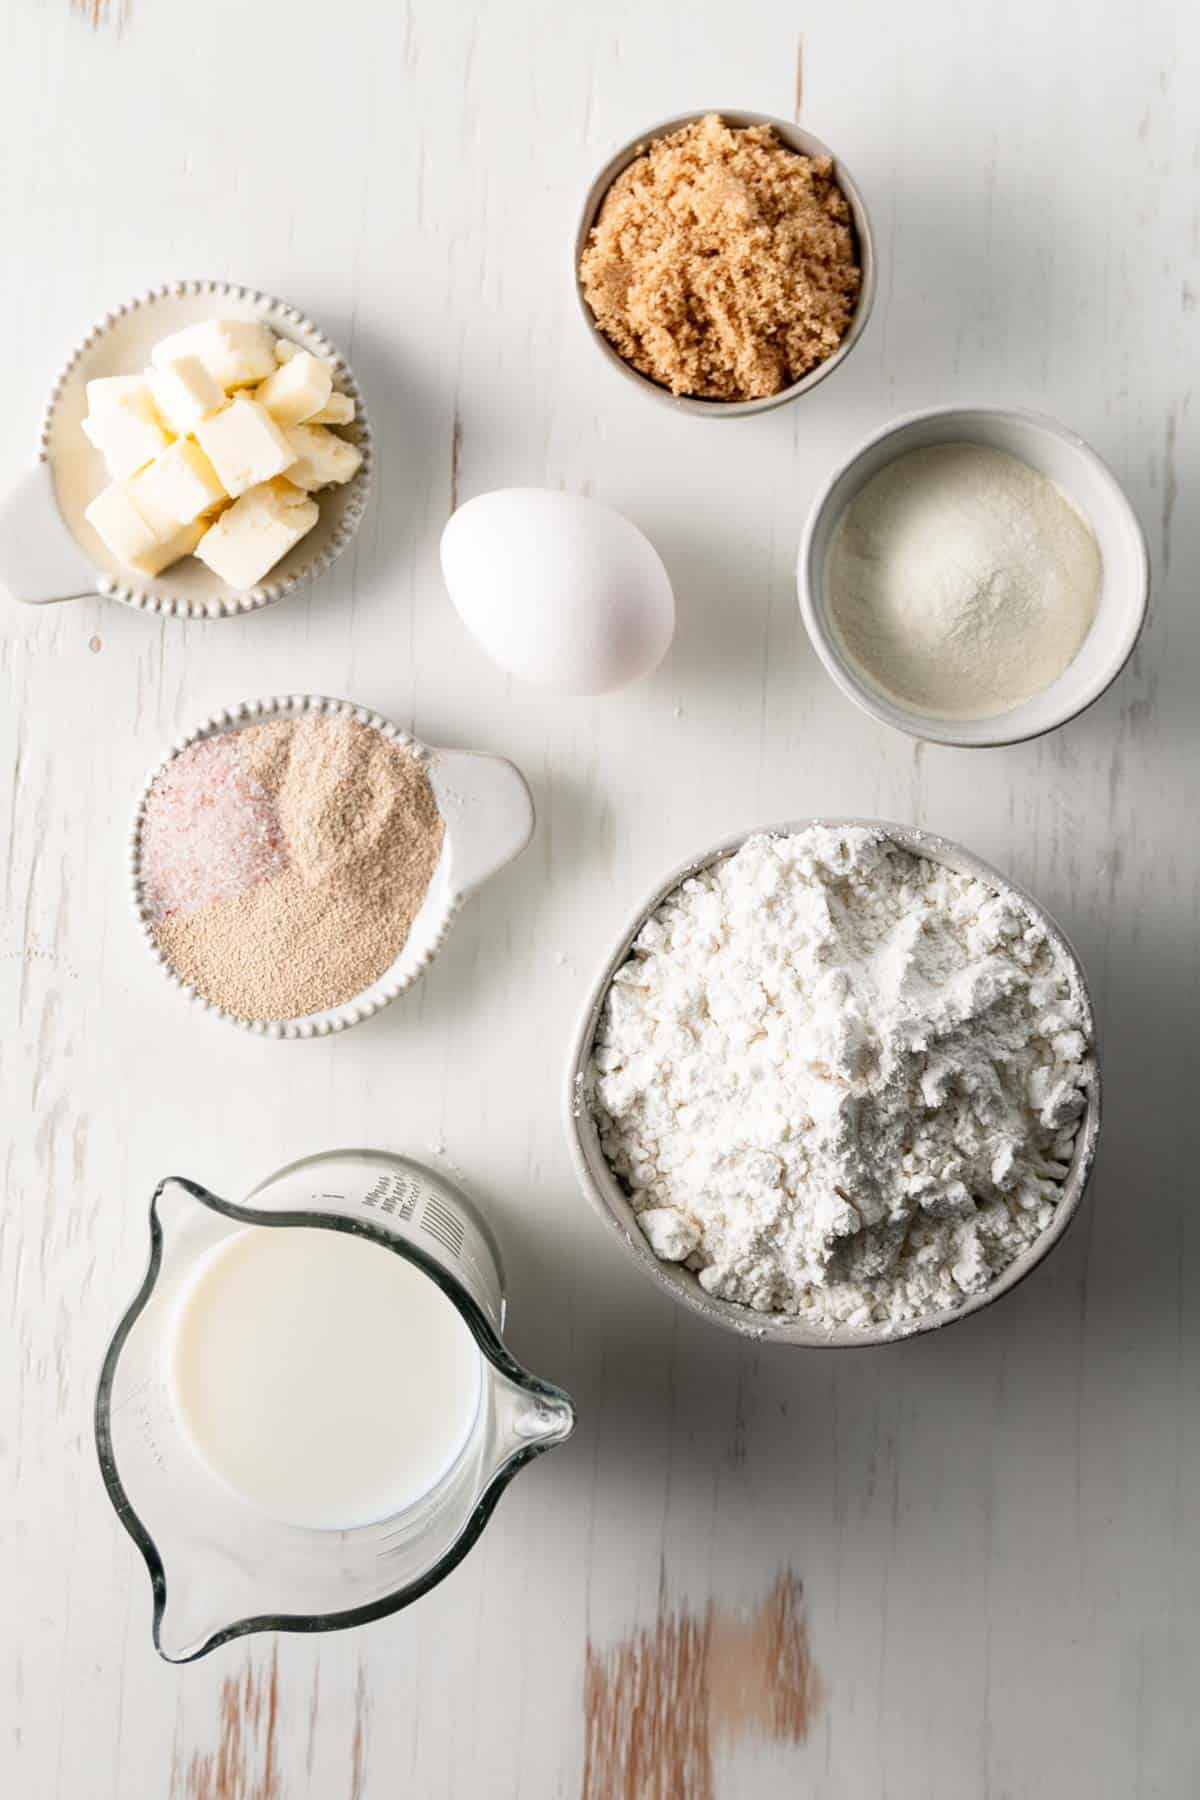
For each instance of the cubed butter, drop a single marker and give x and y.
(132, 538)
(180, 484)
(184, 392)
(157, 521)
(169, 550)
(114, 517)
(127, 431)
(236, 352)
(107, 388)
(257, 530)
(245, 445)
(337, 410)
(321, 456)
(297, 390)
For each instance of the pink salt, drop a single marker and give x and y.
(209, 831)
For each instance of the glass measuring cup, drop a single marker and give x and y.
(218, 1567)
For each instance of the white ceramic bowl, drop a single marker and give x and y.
(1088, 483)
(49, 552)
(488, 814)
(611, 1203)
(795, 139)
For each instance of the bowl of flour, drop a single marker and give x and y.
(973, 576)
(836, 1084)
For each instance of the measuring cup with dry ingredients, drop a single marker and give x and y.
(297, 862)
(307, 1415)
(204, 450)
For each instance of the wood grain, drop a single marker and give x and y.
(243, 1764)
(103, 12)
(659, 1705)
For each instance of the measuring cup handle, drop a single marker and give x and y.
(488, 811)
(39, 559)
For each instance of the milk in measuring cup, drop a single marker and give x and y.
(324, 1378)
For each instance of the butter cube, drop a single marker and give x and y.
(115, 518)
(107, 388)
(321, 456)
(169, 550)
(244, 445)
(297, 390)
(184, 392)
(178, 485)
(127, 431)
(257, 530)
(337, 410)
(236, 352)
(159, 523)
(132, 538)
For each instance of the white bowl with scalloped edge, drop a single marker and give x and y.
(49, 551)
(487, 811)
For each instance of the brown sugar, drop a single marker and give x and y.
(722, 264)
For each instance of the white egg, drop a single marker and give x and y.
(557, 589)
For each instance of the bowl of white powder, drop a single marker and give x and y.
(836, 1084)
(973, 576)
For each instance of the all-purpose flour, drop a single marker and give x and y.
(839, 1080)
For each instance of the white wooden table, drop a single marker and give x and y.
(991, 1539)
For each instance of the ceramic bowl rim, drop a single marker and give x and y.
(796, 138)
(922, 725)
(603, 1192)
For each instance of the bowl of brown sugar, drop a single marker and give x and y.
(297, 862)
(724, 262)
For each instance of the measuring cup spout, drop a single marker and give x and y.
(545, 1422)
(531, 1416)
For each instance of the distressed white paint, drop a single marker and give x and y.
(997, 1531)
